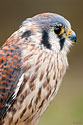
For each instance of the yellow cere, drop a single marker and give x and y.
(69, 32)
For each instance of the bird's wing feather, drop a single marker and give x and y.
(10, 72)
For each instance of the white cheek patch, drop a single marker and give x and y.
(67, 45)
(54, 41)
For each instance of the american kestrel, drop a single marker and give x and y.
(33, 62)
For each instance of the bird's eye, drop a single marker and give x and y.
(59, 30)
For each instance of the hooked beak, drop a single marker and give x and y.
(71, 35)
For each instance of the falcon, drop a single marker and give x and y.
(33, 62)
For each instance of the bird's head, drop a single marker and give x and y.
(50, 31)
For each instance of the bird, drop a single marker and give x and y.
(33, 62)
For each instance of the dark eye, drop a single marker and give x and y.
(57, 30)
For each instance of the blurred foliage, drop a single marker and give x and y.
(67, 107)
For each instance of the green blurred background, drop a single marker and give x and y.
(67, 107)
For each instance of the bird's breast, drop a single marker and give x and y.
(42, 73)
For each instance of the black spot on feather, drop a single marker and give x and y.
(61, 41)
(26, 34)
(45, 40)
